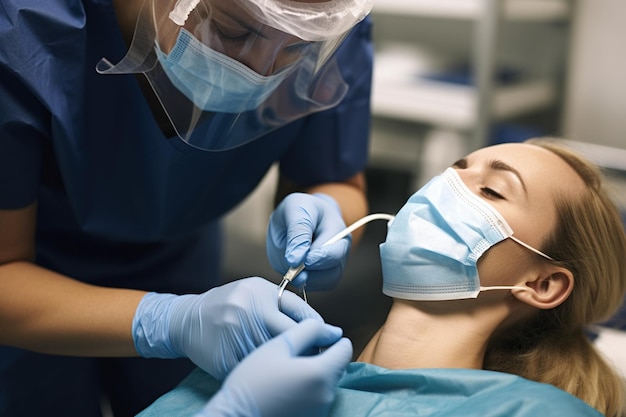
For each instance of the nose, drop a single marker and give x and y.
(469, 175)
(267, 58)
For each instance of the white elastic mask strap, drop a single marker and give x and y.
(504, 287)
(527, 246)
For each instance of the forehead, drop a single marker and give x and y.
(544, 172)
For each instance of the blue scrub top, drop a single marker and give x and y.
(119, 203)
(371, 391)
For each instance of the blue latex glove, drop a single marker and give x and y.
(218, 328)
(284, 378)
(298, 229)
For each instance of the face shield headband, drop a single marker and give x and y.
(229, 71)
(435, 241)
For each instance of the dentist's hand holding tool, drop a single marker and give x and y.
(299, 229)
(218, 328)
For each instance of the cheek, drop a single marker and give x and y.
(166, 37)
(530, 224)
(533, 220)
(505, 263)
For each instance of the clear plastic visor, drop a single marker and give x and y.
(229, 71)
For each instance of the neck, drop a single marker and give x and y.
(450, 334)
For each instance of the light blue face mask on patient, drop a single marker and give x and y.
(214, 81)
(435, 240)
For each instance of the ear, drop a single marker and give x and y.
(548, 290)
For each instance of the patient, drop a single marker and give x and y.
(533, 221)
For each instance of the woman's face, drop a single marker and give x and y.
(522, 182)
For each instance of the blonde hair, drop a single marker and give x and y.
(553, 347)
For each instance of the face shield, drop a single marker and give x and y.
(229, 71)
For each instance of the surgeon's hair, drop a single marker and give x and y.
(554, 346)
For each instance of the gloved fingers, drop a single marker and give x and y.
(321, 280)
(276, 242)
(301, 279)
(292, 308)
(309, 334)
(311, 216)
(275, 236)
(328, 256)
(299, 237)
(291, 229)
(336, 357)
(278, 261)
(324, 266)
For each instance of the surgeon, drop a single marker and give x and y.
(128, 129)
(496, 267)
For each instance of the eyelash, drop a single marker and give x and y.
(229, 38)
(491, 193)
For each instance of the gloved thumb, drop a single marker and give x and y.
(337, 356)
(310, 334)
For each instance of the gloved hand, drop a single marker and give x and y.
(218, 328)
(298, 229)
(284, 378)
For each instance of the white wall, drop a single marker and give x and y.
(595, 107)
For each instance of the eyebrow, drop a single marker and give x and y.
(249, 27)
(499, 165)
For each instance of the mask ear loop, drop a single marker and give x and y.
(503, 287)
(294, 271)
(527, 246)
(515, 287)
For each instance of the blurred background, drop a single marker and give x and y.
(451, 76)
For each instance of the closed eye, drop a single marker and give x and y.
(297, 47)
(491, 193)
(230, 36)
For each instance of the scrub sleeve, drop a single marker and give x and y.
(119, 203)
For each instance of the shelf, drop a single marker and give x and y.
(428, 84)
(451, 105)
(532, 10)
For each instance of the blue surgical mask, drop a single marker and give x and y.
(435, 240)
(213, 81)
